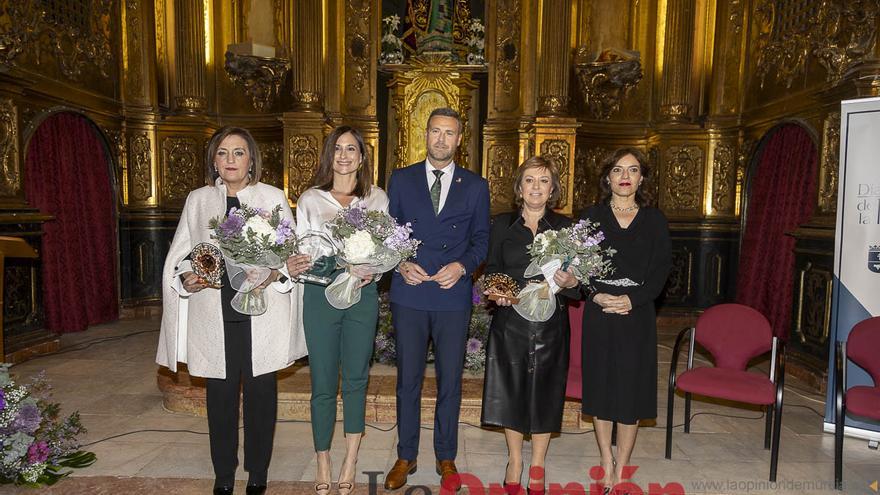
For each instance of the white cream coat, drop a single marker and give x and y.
(192, 323)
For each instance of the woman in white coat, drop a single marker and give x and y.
(200, 328)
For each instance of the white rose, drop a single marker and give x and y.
(260, 226)
(359, 246)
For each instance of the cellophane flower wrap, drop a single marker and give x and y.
(574, 248)
(370, 242)
(36, 447)
(254, 241)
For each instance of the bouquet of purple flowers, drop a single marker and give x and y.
(254, 241)
(574, 248)
(35, 447)
(370, 242)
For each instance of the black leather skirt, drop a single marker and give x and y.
(526, 371)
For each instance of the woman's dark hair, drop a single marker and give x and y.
(255, 169)
(537, 162)
(643, 193)
(324, 175)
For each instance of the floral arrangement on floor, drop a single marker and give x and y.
(35, 447)
(392, 47)
(478, 332)
(476, 42)
(254, 241)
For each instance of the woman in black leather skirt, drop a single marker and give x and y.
(527, 362)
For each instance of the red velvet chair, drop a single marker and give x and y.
(861, 347)
(733, 334)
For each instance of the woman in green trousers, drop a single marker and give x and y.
(339, 338)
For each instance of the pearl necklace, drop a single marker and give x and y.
(628, 209)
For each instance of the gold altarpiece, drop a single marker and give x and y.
(416, 89)
(696, 84)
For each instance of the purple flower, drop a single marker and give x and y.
(283, 232)
(28, 418)
(2, 399)
(233, 225)
(476, 297)
(474, 345)
(38, 452)
(356, 216)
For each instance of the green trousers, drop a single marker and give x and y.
(339, 339)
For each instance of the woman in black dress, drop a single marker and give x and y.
(620, 329)
(527, 362)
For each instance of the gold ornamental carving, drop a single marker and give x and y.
(679, 286)
(507, 54)
(140, 159)
(683, 167)
(302, 164)
(134, 52)
(181, 167)
(814, 305)
(552, 105)
(723, 179)
(501, 174)
(117, 149)
(828, 174)
(428, 82)
(558, 150)
(261, 77)
(75, 39)
(586, 175)
(358, 48)
(273, 163)
(10, 180)
(606, 81)
(839, 33)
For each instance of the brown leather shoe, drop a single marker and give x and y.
(396, 478)
(449, 477)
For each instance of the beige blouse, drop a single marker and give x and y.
(316, 207)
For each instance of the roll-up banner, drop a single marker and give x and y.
(856, 288)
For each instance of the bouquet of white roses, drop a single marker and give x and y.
(254, 242)
(574, 248)
(35, 447)
(370, 242)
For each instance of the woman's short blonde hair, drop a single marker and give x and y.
(538, 162)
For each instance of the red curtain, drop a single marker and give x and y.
(67, 176)
(781, 198)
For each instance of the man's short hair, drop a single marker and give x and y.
(446, 112)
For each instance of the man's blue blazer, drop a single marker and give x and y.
(459, 233)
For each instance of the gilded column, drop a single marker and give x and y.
(306, 64)
(189, 31)
(555, 55)
(504, 54)
(359, 60)
(554, 132)
(678, 47)
(304, 125)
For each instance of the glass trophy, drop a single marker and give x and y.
(322, 251)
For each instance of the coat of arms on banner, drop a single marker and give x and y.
(874, 258)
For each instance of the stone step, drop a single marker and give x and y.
(185, 394)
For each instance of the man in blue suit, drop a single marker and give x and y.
(448, 208)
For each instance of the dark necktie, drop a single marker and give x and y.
(435, 191)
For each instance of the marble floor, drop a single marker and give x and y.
(108, 374)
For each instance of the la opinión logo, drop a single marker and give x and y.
(475, 485)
